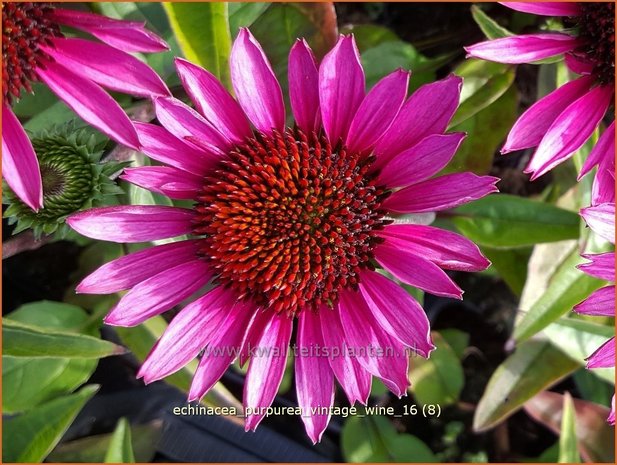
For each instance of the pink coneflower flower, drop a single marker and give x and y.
(291, 224)
(34, 49)
(601, 219)
(560, 123)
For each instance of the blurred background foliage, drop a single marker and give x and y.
(508, 375)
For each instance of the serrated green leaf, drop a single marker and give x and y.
(533, 367)
(568, 447)
(31, 437)
(202, 32)
(120, 448)
(503, 220)
(24, 340)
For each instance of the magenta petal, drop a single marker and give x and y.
(341, 88)
(183, 122)
(90, 102)
(446, 249)
(132, 223)
(213, 101)
(601, 219)
(172, 182)
(603, 188)
(129, 270)
(221, 351)
(599, 303)
(441, 193)
(159, 293)
(129, 36)
(423, 160)
(602, 151)
(428, 111)
(532, 125)
(570, 130)
(355, 380)
(578, 64)
(365, 337)
(377, 111)
(253, 334)
(255, 84)
(546, 8)
(314, 377)
(604, 357)
(187, 334)
(524, 48)
(396, 311)
(602, 266)
(107, 66)
(20, 167)
(266, 368)
(160, 145)
(304, 87)
(417, 271)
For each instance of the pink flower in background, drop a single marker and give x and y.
(601, 219)
(34, 49)
(291, 223)
(560, 123)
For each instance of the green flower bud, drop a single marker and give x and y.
(73, 179)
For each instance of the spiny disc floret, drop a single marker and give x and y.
(289, 220)
(24, 27)
(597, 27)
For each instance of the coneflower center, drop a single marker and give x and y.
(289, 221)
(597, 27)
(24, 27)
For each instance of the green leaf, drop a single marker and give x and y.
(384, 58)
(244, 14)
(458, 340)
(31, 437)
(503, 220)
(532, 368)
(483, 83)
(591, 387)
(578, 339)
(120, 448)
(370, 35)
(374, 439)
(511, 264)
(567, 287)
(92, 449)
(438, 379)
(23, 340)
(28, 382)
(486, 131)
(490, 27)
(568, 447)
(202, 32)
